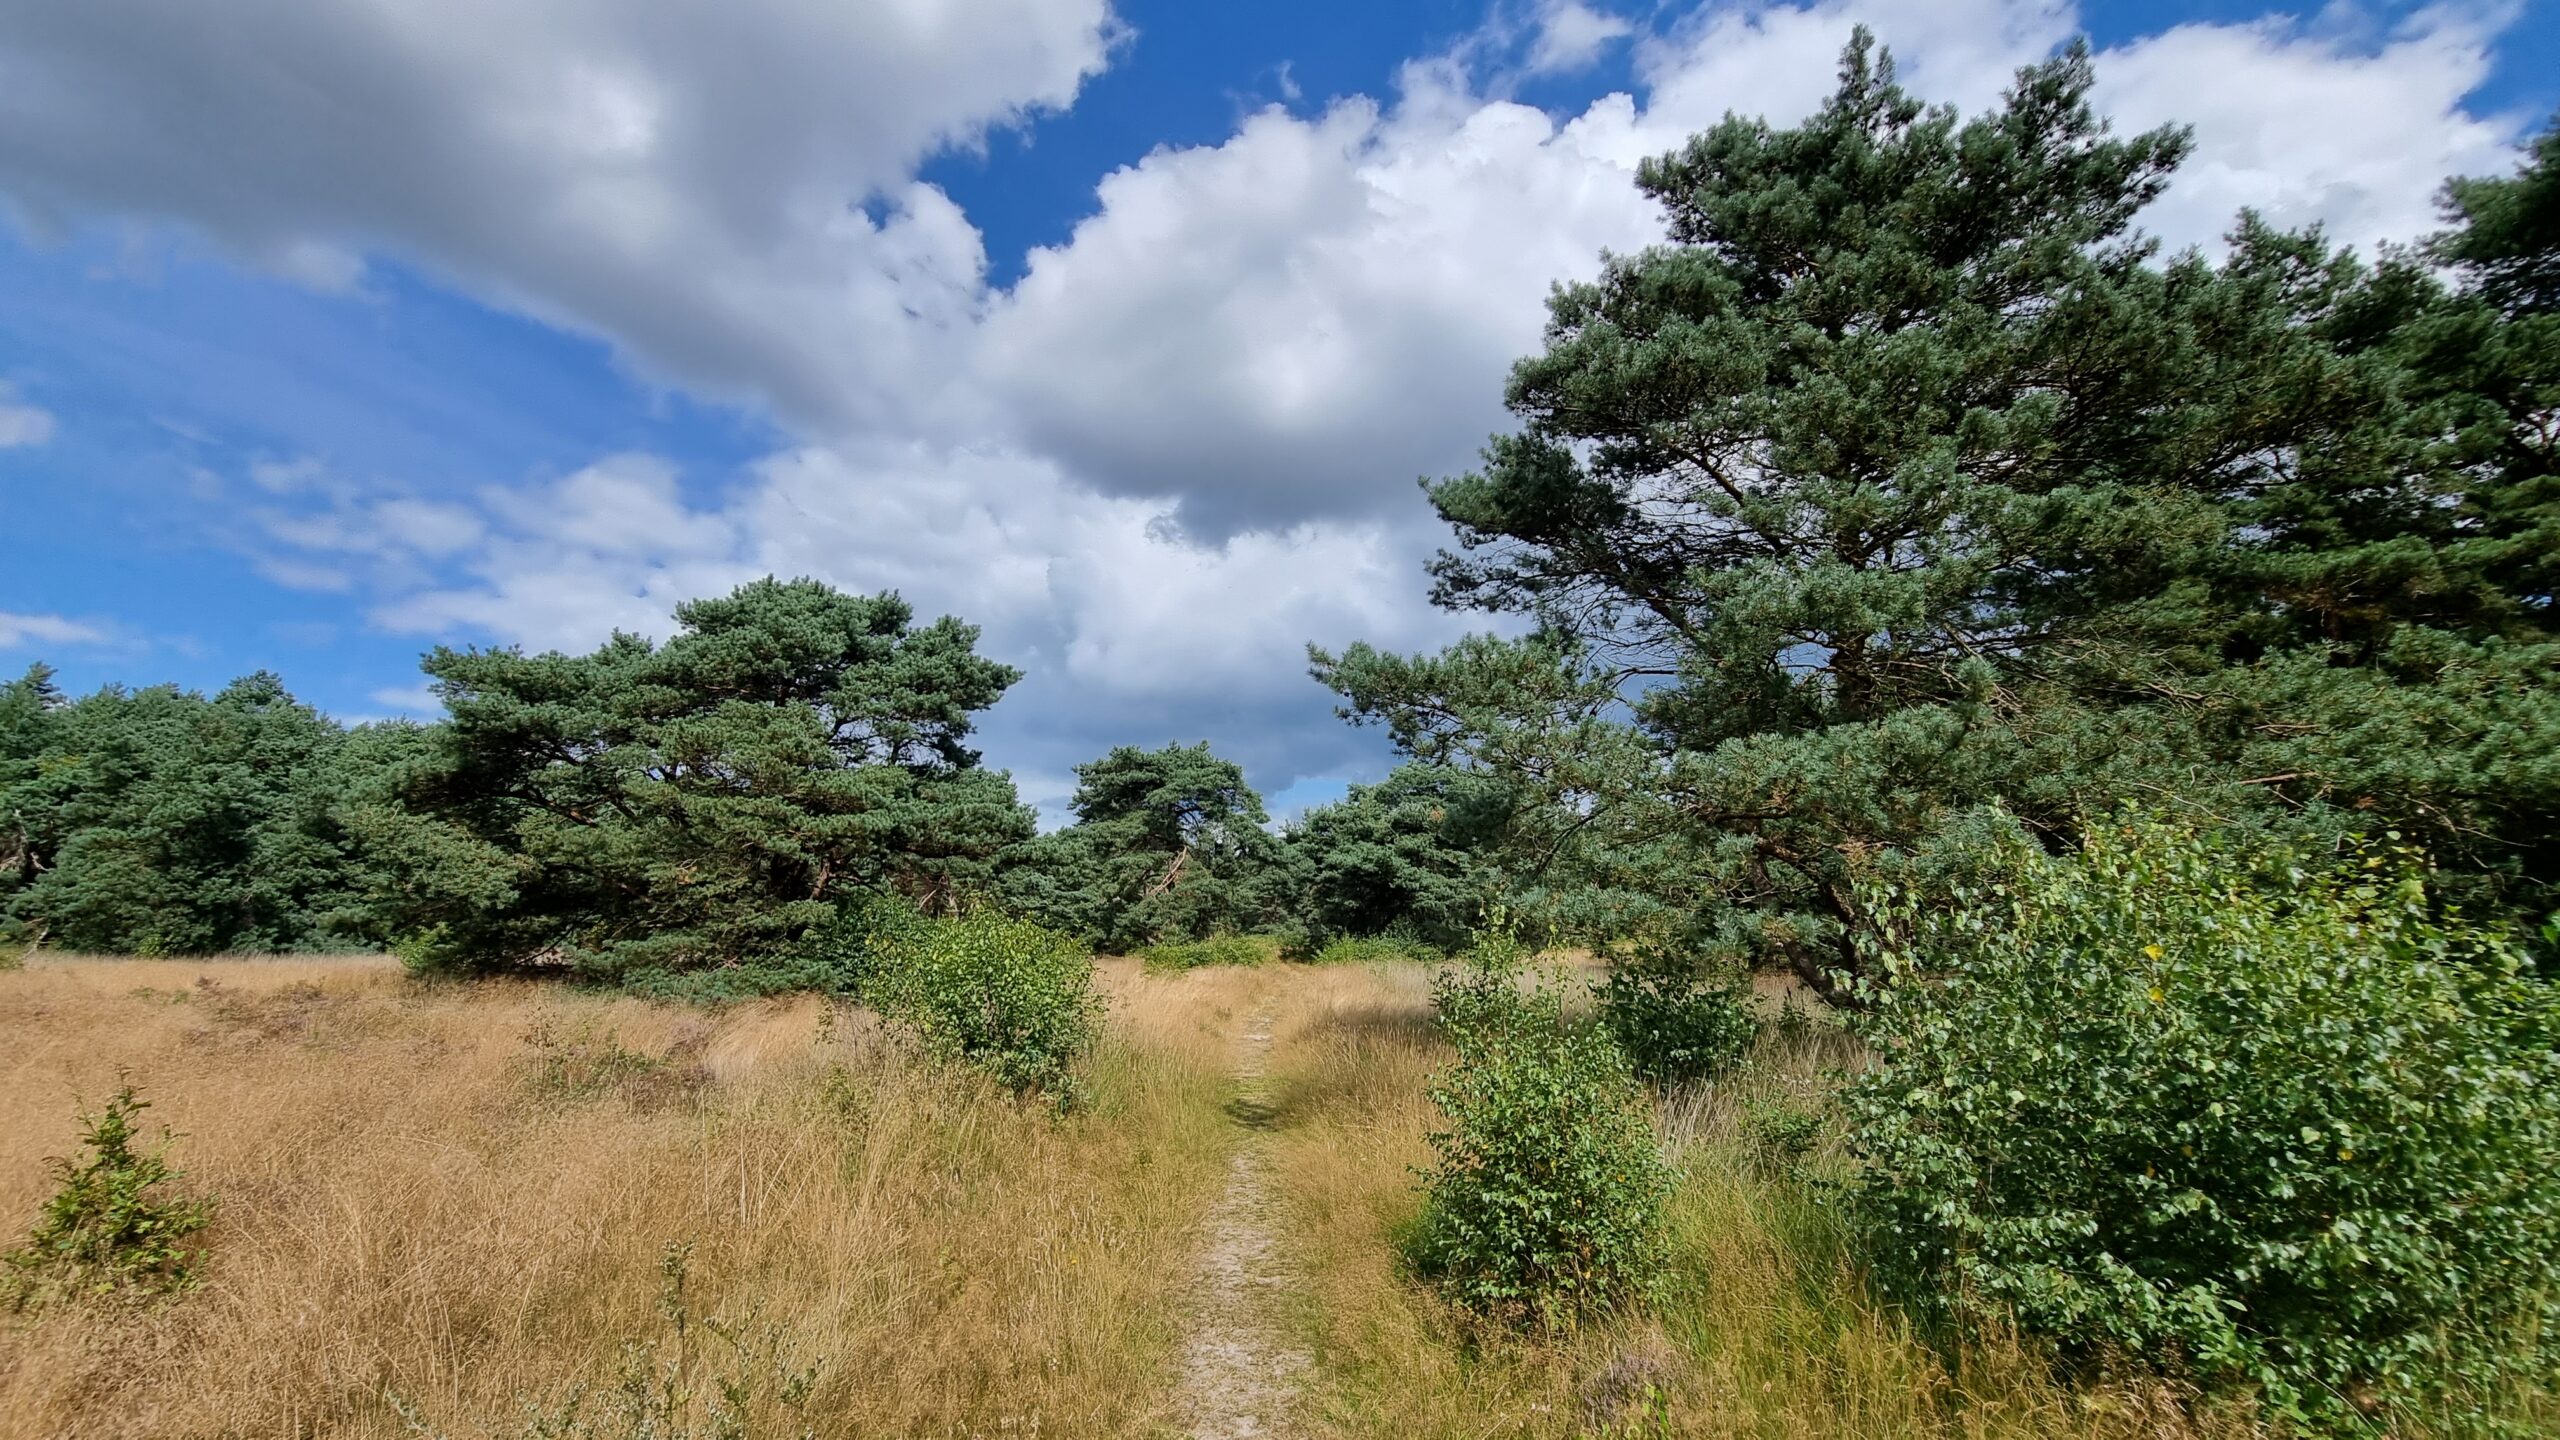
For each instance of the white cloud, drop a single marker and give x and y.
(686, 181)
(20, 422)
(1268, 337)
(2311, 129)
(19, 629)
(1302, 320)
(1573, 36)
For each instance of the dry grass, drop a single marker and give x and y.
(1767, 1332)
(416, 1198)
(460, 1195)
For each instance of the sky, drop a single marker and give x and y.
(1124, 331)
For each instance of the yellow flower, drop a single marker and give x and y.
(2158, 994)
(2151, 950)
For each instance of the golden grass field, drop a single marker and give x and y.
(406, 1207)
(438, 1193)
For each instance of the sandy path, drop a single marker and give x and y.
(1241, 1371)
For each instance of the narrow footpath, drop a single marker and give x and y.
(1242, 1374)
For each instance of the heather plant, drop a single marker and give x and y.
(112, 1227)
(1006, 995)
(1546, 1204)
(2285, 1123)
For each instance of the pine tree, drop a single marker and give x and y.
(1907, 493)
(712, 799)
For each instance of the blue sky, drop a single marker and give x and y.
(1123, 331)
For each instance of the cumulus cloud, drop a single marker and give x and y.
(18, 629)
(2315, 129)
(1572, 36)
(1303, 319)
(1127, 632)
(724, 192)
(20, 422)
(1185, 441)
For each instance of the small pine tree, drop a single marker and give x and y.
(109, 1230)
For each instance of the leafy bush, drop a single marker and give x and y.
(1005, 995)
(1368, 949)
(673, 1387)
(107, 1230)
(1678, 1022)
(1216, 950)
(1546, 1204)
(2283, 1122)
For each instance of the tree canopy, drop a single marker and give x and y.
(702, 801)
(1167, 844)
(1907, 491)
(163, 821)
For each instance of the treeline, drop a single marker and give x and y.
(649, 811)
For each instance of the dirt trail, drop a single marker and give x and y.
(1241, 1373)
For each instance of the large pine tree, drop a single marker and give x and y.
(1906, 490)
(711, 799)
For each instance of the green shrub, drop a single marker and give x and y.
(1216, 950)
(2281, 1122)
(108, 1230)
(1005, 995)
(1369, 949)
(1676, 1021)
(1546, 1202)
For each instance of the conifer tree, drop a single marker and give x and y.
(1907, 492)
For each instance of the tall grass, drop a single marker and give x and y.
(415, 1203)
(462, 1197)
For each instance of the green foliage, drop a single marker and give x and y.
(1907, 492)
(1168, 844)
(1375, 949)
(1006, 995)
(1546, 1204)
(703, 1377)
(646, 810)
(1677, 1021)
(1216, 950)
(2282, 1122)
(164, 822)
(108, 1230)
(1402, 857)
